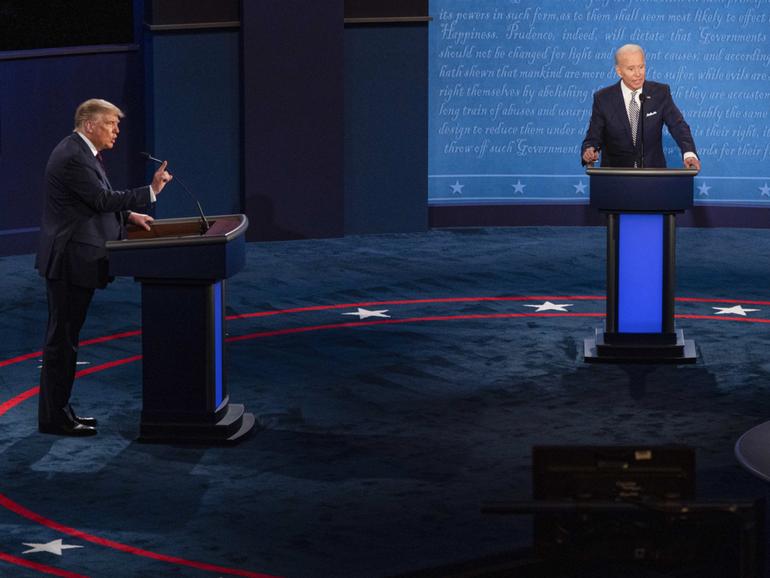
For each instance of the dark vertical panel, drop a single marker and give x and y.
(292, 58)
(195, 102)
(385, 8)
(386, 128)
(170, 12)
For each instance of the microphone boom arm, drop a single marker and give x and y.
(205, 226)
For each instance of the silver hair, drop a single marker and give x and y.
(628, 48)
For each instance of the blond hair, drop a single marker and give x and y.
(89, 109)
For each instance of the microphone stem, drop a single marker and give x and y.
(205, 226)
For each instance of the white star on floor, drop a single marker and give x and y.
(703, 190)
(518, 187)
(580, 188)
(76, 363)
(365, 313)
(734, 310)
(764, 190)
(53, 547)
(548, 306)
(457, 188)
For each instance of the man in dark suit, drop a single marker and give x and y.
(80, 214)
(618, 115)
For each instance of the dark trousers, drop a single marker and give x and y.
(67, 308)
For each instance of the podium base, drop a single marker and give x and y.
(234, 426)
(597, 350)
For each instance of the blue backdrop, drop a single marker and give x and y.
(511, 84)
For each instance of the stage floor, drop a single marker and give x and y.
(399, 380)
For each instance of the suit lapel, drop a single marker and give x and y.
(619, 110)
(650, 103)
(102, 173)
(97, 166)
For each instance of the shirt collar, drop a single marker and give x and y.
(627, 92)
(88, 142)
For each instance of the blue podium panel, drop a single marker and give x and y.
(640, 273)
(219, 342)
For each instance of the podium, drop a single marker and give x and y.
(641, 207)
(182, 273)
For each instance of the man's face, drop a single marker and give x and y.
(630, 68)
(102, 130)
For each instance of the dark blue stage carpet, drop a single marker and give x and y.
(400, 380)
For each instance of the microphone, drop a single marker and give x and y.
(205, 226)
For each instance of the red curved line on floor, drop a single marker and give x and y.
(466, 300)
(123, 335)
(75, 533)
(720, 318)
(20, 358)
(25, 395)
(411, 302)
(39, 567)
(14, 401)
(290, 330)
(108, 365)
(38, 354)
(238, 316)
(705, 300)
(22, 511)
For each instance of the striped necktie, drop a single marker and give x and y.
(633, 115)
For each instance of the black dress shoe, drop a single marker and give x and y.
(89, 421)
(67, 429)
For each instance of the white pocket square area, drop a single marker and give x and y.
(653, 113)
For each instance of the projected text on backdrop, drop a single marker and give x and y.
(511, 85)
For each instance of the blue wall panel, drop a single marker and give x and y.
(194, 99)
(386, 128)
(38, 98)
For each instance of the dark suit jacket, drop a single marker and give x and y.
(81, 213)
(610, 129)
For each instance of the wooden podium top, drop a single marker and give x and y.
(176, 249)
(183, 231)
